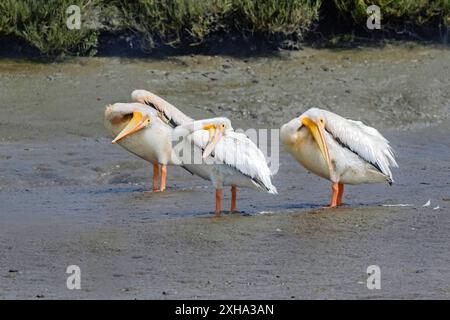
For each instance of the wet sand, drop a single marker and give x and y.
(70, 197)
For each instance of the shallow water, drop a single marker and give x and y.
(70, 197)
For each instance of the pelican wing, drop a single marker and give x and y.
(240, 153)
(363, 140)
(167, 112)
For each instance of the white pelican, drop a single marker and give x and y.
(138, 129)
(153, 143)
(228, 158)
(340, 150)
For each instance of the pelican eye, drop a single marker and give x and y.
(223, 125)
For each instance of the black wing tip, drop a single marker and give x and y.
(187, 170)
(169, 120)
(390, 181)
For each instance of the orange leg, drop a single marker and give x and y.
(155, 177)
(340, 193)
(334, 197)
(218, 202)
(233, 199)
(163, 178)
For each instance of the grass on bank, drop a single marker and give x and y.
(194, 21)
(397, 13)
(42, 24)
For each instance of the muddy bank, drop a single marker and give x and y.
(69, 197)
(394, 88)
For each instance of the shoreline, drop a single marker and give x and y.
(238, 46)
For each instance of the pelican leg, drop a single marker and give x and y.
(163, 178)
(233, 199)
(340, 193)
(218, 202)
(334, 197)
(155, 177)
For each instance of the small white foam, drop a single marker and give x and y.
(427, 204)
(266, 212)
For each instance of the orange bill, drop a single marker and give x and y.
(215, 135)
(137, 122)
(317, 131)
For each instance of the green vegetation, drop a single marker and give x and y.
(193, 21)
(287, 17)
(42, 24)
(176, 20)
(398, 13)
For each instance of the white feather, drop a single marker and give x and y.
(237, 151)
(365, 141)
(235, 160)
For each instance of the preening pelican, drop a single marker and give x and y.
(121, 121)
(340, 150)
(140, 130)
(227, 158)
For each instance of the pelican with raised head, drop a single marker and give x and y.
(338, 149)
(153, 143)
(226, 158)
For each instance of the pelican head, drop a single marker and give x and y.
(314, 120)
(128, 118)
(216, 127)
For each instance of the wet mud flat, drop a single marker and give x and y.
(70, 197)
